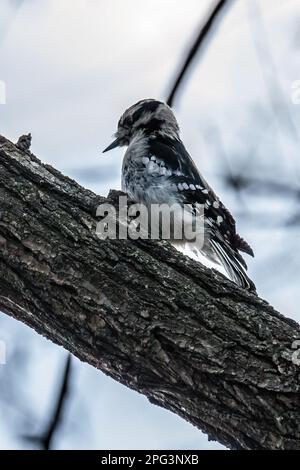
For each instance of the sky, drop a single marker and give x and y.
(69, 69)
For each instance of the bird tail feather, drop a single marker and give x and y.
(234, 264)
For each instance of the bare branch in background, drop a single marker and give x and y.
(202, 36)
(55, 420)
(45, 438)
(242, 181)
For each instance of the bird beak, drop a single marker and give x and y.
(113, 145)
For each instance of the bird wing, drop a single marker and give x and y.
(171, 159)
(169, 166)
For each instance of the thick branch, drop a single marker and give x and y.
(151, 318)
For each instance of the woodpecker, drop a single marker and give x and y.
(157, 169)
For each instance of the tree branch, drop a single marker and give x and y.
(158, 322)
(55, 420)
(202, 36)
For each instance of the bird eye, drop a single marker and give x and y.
(128, 121)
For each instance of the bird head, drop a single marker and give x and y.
(147, 117)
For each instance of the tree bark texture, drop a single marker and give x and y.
(160, 323)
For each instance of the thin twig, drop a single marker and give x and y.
(60, 405)
(205, 29)
(44, 440)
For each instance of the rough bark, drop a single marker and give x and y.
(158, 322)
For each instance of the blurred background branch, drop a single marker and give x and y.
(205, 30)
(238, 119)
(201, 39)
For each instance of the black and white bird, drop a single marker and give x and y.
(157, 169)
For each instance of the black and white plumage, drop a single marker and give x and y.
(157, 169)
